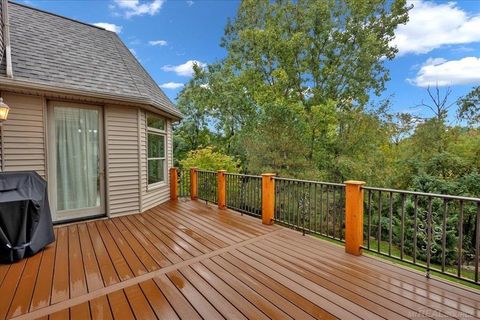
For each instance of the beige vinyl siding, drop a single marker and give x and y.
(122, 155)
(127, 191)
(159, 194)
(24, 143)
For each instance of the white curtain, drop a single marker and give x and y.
(77, 159)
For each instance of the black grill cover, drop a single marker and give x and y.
(25, 219)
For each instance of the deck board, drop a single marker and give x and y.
(187, 260)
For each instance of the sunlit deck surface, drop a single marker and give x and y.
(188, 260)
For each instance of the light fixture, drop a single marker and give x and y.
(4, 109)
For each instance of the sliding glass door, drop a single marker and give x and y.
(76, 162)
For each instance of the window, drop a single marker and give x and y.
(156, 149)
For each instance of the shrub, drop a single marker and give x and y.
(208, 159)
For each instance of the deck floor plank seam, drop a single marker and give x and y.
(240, 227)
(107, 269)
(165, 250)
(150, 248)
(239, 224)
(130, 257)
(206, 228)
(214, 243)
(169, 243)
(219, 302)
(187, 246)
(143, 256)
(230, 234)
(199, 242)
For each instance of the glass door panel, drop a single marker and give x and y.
(78, 166)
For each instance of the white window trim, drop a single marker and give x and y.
(163, 133)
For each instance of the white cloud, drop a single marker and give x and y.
(157, 43)
(109, 26)
(171, 85)
(433, 25)
(190, 3)
(448, 73)
(132, 8)
(185, 69)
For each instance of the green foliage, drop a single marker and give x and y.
(208, 159)
(470, 107)
(293, 75)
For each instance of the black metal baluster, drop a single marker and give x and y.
(334, 213)
(321, 210)
(477, 241)
(369, 218)
(460, 240)
(379, 224)
(444, 233)
(415, 227)
(390, 231)
(328, 211)
(429, 235)
(402, 226)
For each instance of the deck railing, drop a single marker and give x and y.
(434, 231)
(439, 233)
(207, 186)
(183, 179)
(311, 206)
(244, 193)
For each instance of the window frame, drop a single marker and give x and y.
(161, 133)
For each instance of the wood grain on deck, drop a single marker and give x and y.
(187, 260)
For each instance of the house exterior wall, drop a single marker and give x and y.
(122, 160)
(24, 147)
(151, 197)
(24, 144)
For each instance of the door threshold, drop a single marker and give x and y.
(81, 219)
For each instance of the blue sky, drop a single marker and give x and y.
(440, 44)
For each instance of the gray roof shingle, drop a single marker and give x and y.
(54, 50)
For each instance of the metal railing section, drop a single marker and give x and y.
(311, 206)
(433, 231)
(207, 185)
(244, 193)
(183, 183)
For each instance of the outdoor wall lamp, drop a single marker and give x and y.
(4, 109)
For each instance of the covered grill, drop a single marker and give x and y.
(25, 218)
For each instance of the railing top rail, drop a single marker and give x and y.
(434, 195)
(243, 175)
(207, 171)
(311, 181)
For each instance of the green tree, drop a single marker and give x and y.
(208, 159)
(312, 52)
(469, 107)
(193, 131)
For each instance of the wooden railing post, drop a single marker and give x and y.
(173, 183)
(193, 184)
(268, 197)
(221, 189)
(354, 217)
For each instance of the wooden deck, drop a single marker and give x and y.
(190, 261)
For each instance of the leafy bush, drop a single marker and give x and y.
(208, 159)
